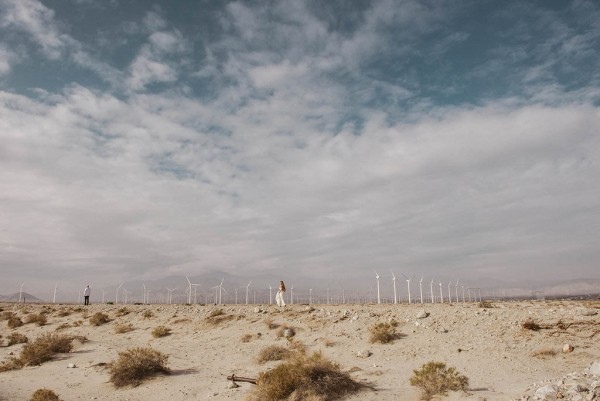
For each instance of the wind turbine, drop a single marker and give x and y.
(247, 290)
(449, 291)
(463, 291)
(421, 287)
(431, 289)
(125, 291)
(310, 296)
(394, 280)
(408, 282)
(21, 293)
(170, 290)
(441, 293)
(190, 285)
(117, 294)
(456, 290)
(103, 295)
(378, 297)
(54, 297)
(236, 299)
(270, 294)
(144, 295)
(292, 294)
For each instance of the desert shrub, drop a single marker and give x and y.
(123, 328)
(215, 312)
(271, 325)
(182, 320)
(17, 338)
(304, 377)
(486, 304)
(11, 363)
(62, 326)
(37, 318)
(273, 353)
(135, 365)
(382, 333)
(530, 324)
(122, 312)
(543, 352)
(63, 313)
(435, 378)
(217, 316)
(161, 331)
(99, 319)
(246, 338)
(44, 394)
(44, 347)
(291, 332)
(147, 314)
(7, 315)
(14, 322)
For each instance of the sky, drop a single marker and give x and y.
(146, 139)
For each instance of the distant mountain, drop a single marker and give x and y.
(26, 297)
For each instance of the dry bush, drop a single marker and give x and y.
(161, 331)
(543, 352)
(37, 318)
(271, 325)
(486, 304)
(148, 314)
(17, 338)
(135, 365)
(435, 378)
(7, 315)
(382, 333)
(273, 353)
(14, 322)
(246, 338)
(99, 319)
(62, 326)
(123, 328)
(122, 312)
(63, 313)
(217, 316)
(304, 378)
(44, 347)
(215, 312)
(11, 363)
(530, 324)
(44, 394)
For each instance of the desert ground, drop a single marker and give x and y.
(489, 345)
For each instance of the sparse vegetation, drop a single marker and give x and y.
(37, 318)
(435, 378)
(44, 394)
(63, 326)
(99, 319)
(135, 365)
(215, 312)
(122, 312)
(148, 314)
(11, 363)
(217, 316)
(14, 322)
(6, 315)
(161, 331)
(17, 338)
(544, 352)
(382, 333)
(531, 324)
(246, 338)
(271, 325)
(63, 313)
(273, 353)
(486, 304)
(44, 347)
(304, 377)
(123, 328)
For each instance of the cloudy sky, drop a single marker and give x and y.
(144, 139)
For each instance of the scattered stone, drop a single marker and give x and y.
(422, 314)
(364, 353)
(594, 369)
(71, 366)
(257, 310)
(308, 309)
(547, 393)
(232, 384)
(587, 312)
(567, 348)
(289, 332)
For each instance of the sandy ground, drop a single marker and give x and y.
(488, 345)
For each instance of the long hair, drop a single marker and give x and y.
(282, 286)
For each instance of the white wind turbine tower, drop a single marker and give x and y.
(21, 293)
(190, 285)
(170, 291)
(394, 280)
(421, 288)
(117, 294)
(456, 290)
(221, 289)
(247, 290)
(54, 297)
(144, 295)
(378, 297)
(463, 291)
(431, 290)
(408, 282)
(449, 292)
(441, 293)
(125, 291)
(270, 294)
(310, 296)
(292, 294)
(103, 295)
(236, 299)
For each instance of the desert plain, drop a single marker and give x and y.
(489, 343)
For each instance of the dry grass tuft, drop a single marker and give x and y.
(246, 338)
(44, 347)
(63, 313)
(11, 363)
(271, 325)
(123, 328)
(182, 320)
(486, 304)
(135, 365)
(304, 377)
(530, 324)
(382, 333)
(63, 326)
(17, 338)
(99, 319)
(6, 315)
(44, 394)
(161, 331)
(217, 316)
(435, 378)
(37, 318)
(543, 352)
(273, 353)
(148, 314)
(122, 312)
(14, 322)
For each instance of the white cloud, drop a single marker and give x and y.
(7, 57)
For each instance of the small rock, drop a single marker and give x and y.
(546, 393)
(232, 384)
(71, 366)
(364, 353)
(289, 332)
(567, 348)
(422, 314)
(594, 368)
(257, 310)
(308, 309)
